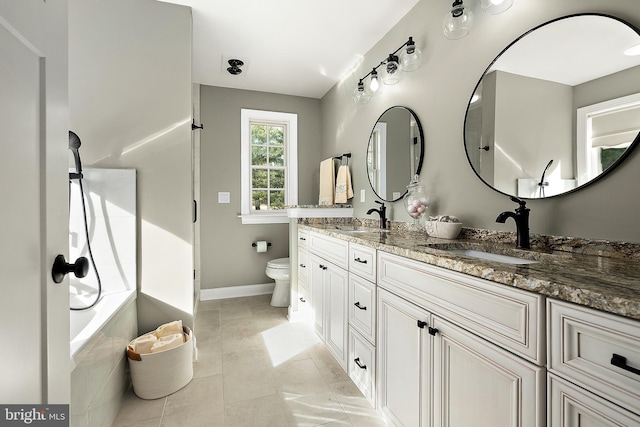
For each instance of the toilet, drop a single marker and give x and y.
(280, 271)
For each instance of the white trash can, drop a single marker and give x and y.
(156, 375)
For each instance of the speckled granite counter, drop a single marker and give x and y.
(578, 272)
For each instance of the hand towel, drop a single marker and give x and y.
(170, 328)
(344, 191)
(167, 342)
(327, 182)
(143, 344)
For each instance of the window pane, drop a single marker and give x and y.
(276, 135)
(259, 200)
(259, 178)
(259, 134)
(258, 156)
(277, 198)
(276, 156)
(276, 178)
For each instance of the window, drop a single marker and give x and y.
(269, 165)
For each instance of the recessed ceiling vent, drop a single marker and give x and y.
(234, 66)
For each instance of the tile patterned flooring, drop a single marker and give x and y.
(255, 369)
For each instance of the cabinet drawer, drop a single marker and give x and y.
(362, 261)
(362, 364)
(362, 306)
(509, 317)
(330, 248)
(583, 343)
(570, 406)
(303, 238)
(303, 267)
(304, 301)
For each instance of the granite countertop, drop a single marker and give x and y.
(609, 283)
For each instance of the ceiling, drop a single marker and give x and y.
(290, 47)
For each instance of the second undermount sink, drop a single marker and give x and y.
(482, 252)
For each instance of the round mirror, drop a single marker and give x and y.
(394, 153)
(558, 108)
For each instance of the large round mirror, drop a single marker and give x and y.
(394, 153)
(558, 108)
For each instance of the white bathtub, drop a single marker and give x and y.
(85, 324)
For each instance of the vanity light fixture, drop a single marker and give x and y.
(408, 60)
(457, 23)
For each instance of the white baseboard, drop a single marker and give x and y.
(236, 291)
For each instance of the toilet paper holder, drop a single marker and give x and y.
(254, 244)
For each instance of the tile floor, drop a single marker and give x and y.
(255, 369)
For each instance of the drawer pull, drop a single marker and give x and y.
(621, 362)
(433, 331)
(360, 365)
(302, 299)
(357, 304)
(361, 261)
(421, 324)
(322, 267)
(303, 266)
(302, 238)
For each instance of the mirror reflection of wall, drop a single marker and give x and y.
(394, 153)
(522, 134)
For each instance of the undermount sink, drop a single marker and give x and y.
(467, 250)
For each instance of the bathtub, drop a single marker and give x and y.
(86, 324)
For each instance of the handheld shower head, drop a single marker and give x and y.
(74, 145)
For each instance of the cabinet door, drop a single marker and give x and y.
(477, 383)
(335, 300)
(316, 285)
(572, 406)
(403, 356)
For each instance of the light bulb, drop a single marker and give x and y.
(494, 7)
(374, 84)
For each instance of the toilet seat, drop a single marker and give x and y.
(278, 263)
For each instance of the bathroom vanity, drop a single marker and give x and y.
(436, 334)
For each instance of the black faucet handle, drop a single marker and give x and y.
(379, 202)
(521, 202)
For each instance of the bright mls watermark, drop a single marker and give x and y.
(34, 415)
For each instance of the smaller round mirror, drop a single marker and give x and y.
(394, 153)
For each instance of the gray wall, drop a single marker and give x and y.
(439, 92)
(226, 253)
(130, 103)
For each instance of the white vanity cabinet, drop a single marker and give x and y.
(594, 365)
(456, 351)
(361, 365)
(328, 281)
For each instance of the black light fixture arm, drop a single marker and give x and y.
(384, 61)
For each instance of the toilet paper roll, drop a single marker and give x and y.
(261, 246)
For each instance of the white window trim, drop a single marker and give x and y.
(291, 153)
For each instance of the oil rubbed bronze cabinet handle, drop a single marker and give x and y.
(621, 362)
(361, 261)
(360, 365)
(357, 304)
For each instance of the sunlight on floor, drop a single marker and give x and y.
(287, 340)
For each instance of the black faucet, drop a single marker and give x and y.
(382, 212)
(521, 217)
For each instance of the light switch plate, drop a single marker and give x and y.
(224, 197)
